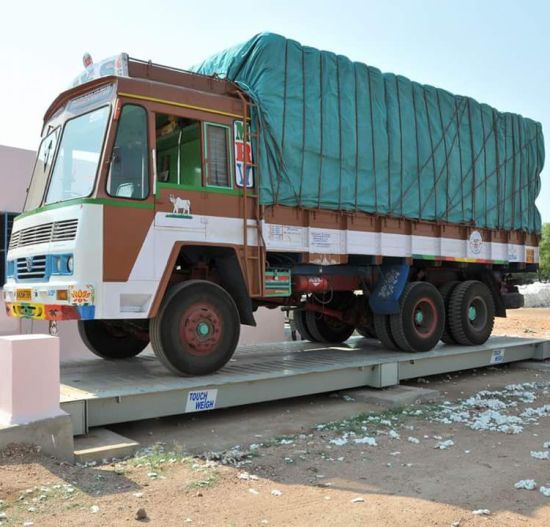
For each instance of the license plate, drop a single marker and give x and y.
(23, 295)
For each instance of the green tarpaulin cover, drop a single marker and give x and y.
(341, 135)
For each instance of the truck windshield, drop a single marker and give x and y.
(41, 171)
(78, 157)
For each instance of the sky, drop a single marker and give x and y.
(496, 51)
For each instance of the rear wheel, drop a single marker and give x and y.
(446, 291)
(114, 339)
(471, 313)
(368, 332)
(383, 331)
(197, 328)
(323, 328)
(327, 329)
(299, 316)
(421, 320)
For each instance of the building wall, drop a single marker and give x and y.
(16, 167)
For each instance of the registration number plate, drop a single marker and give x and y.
(23, 295)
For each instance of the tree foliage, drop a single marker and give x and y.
(544, 264)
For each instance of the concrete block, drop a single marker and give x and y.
(29, 378)
(396, 396)
(53, 435)
(101, 443)
(534, 365)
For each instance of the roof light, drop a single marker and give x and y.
(87, 60)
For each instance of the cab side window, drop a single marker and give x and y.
(129, 170)
(178, 150)
(218, 172)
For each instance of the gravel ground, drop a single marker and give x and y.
(478, 457)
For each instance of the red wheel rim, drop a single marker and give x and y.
(201, 329)
(424, 317)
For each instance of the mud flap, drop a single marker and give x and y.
(389, 288)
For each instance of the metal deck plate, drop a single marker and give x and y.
(98, 392)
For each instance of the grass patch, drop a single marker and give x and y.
(206, 483)
(386, 419)
(155, 458)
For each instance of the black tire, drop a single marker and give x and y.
(113, 339)
(419, 325)
(300, 323)
(369, 332)
(327, 329)
(383, 331)
(471, 313)
(197, 328)
(446, 290)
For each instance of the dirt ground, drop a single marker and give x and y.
(325, 461)
(527, 322)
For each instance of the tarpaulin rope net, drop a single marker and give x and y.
(341, 135)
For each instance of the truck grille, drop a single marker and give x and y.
(31, 267)
(48, 232)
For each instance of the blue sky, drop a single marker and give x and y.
(497, 51)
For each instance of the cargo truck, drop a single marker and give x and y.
(167, 205)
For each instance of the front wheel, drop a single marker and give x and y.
(114, 339)
(197, 328)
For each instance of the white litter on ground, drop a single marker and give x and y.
(357, 500)
(546, 444)
(526, 484)
(253, 491)
(444, 445)
(413, 440)
(246, 476)
(543, 454)
(481, 512)
(276, 492)
(392, 434)
(536, 294)
(370, 441)
(545, 491)
(492, 410)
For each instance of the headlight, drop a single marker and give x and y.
(10, 269)
(70, 264)
(57, 264)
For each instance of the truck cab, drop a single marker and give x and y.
(130, 156)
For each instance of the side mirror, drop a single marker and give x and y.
(115, 156)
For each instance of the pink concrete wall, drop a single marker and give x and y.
(29, 378)
(16, 167)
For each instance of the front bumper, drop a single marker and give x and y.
(48, 302)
